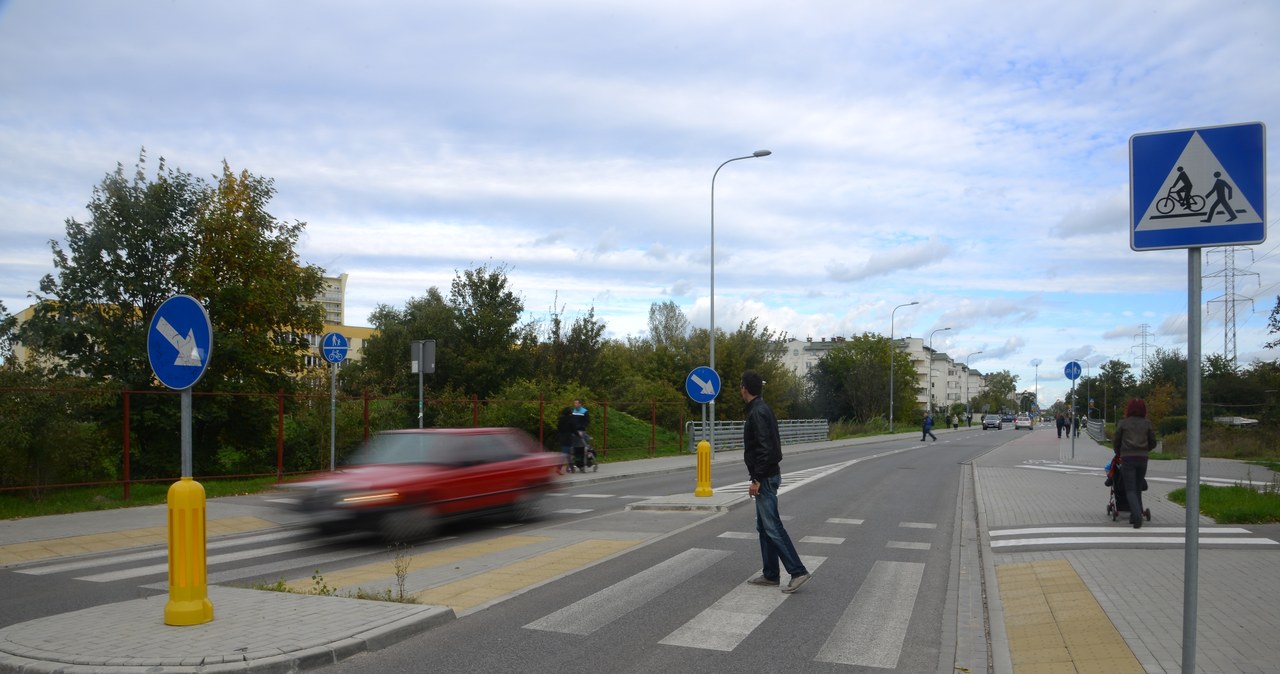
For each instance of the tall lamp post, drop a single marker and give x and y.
(928, 394)
(1035, 362)
(753, 155)
(968, 411)
(891, 348)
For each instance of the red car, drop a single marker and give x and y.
(404, 484)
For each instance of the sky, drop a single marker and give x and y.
(972, 156)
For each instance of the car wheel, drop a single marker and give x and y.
(408, 524)
(527, 507)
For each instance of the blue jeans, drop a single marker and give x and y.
(775, 544)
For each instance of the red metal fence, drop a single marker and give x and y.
(55, 438)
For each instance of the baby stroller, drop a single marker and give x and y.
(584, 455)
(1119, 500)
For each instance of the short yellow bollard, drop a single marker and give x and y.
(188, 584)
(704, 469)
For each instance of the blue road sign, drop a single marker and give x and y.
(1197, 188)
(702, 385)
(334, 347)
(180, 342)
(1072, 370)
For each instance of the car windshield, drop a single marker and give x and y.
(434, 448)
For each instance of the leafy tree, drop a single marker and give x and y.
(1273, 325)
(998, 395)
(1166, 367)
(256, 290)
(135, 251)
(8, 335)
(1116, 385)
(487, 312)
(851, 381)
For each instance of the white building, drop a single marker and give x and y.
(952, 382)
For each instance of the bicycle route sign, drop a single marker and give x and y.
(1196, 188)
(1072, 370)
(334, 345)
(179, 342)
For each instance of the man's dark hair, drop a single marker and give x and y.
(752, 381)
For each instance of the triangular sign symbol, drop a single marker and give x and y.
(1168, 210)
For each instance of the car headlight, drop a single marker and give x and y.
(369, 498)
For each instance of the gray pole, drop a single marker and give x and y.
(753, 155)
(928, 394)
(1191, 565)
(333, 411)
(891, 350)
(185, 433)
(420, 368)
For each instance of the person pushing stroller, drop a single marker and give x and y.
(580, 418)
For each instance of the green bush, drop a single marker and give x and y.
(1171, 424)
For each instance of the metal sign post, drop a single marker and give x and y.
(422, 359)
(703, 385)
(1171, 207)
(334, 346)
(179, 345)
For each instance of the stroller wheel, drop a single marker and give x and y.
(595, 468)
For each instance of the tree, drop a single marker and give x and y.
(1117, 384)
(1273, 325)
(487, 312)
(135, 251)
(851, 381)
(998, 395)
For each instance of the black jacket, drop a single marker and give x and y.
(762, 445)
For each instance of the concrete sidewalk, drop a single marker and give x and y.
(1063, 607)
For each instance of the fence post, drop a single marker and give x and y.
(653, 425)
(541, 438)
(475, 411)
(604, 428)
(365, 395)
(279, 433)
(126, 445)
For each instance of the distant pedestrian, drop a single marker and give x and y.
(762, 452)
(1221, 193)
(1075, 425)
(955, 422)
(1060, 422)
(581, 420)
(1134, 439)
(928, 428)
(564, 435)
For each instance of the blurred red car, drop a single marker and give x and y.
(404, 484)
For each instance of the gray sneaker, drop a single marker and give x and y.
(796, 582)
(761, 580)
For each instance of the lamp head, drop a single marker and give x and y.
(761, 153)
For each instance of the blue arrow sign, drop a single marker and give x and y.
(1072, 370)
(334, 347)
(702, 385)
(180, 342)
(1197, 188)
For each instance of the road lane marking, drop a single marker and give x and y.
(589, 614)
(874, 625)
(726, 623)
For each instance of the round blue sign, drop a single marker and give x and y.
(334, 347)
(180, 342)
(1072, 370)
(702, 385)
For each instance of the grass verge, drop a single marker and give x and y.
(109, 497)
(1236, 504)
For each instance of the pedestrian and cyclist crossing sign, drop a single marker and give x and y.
(1197, 188)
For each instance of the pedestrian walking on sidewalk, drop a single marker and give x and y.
(928, 428)
(762, 452)
(1061, 422)
(1133, 442)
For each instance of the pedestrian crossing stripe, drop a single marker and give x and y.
(1201, 166)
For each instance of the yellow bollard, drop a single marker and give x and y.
(704, 469)
(188, 584)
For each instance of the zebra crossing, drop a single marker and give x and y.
(1003, 540)
(870, 632)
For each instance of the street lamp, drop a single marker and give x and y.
(753, 155)
(968, 411)
(891, 313)
(1035, 362)
(928, 394)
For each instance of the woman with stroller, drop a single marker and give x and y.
(1134, 440)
